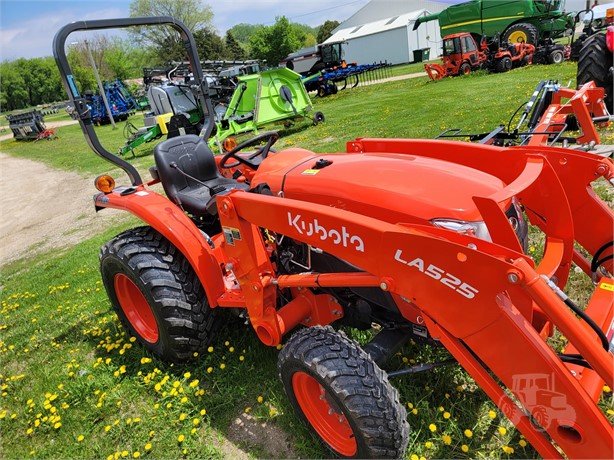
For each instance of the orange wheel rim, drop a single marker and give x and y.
(329, 423)
(136, 308)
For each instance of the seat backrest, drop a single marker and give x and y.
(192, 155)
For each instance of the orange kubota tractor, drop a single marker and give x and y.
(462, 55)
(425, 238)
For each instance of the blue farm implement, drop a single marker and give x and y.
(121, 103)
(327, 81)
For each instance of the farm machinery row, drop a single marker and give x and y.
(245, 99)
(462, 54)
(425, 238)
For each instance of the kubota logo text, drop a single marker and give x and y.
(342, 237)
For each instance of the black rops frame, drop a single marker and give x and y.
(198, 84)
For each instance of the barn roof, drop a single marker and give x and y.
(370, 28)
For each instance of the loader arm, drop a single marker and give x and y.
(478, 298)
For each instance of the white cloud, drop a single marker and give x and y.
(34, 37)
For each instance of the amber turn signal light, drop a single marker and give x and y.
(104, 183)
(229, 144)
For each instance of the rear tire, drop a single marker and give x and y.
(594, 64)
(157, 295)
(465, 69)
(344, 398)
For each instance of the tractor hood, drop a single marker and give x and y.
(392, 187)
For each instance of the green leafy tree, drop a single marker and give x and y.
(276, 42)
(234, 50)
(243, 32)
(326, 30)
(310, 40)
(209, 44)
(193, 13)
(13, 89)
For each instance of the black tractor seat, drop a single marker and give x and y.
(188, 172)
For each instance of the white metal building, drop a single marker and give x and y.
(390, 39)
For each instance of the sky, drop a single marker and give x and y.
(27, 27)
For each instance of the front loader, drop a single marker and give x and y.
(424, 238)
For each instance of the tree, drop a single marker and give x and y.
(193, 13)
(243, 32)
(310, 40)
(13, 86)
(326, 30)
(274, 43)
(234, 50)
(210, 45)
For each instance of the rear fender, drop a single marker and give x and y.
(171, 222)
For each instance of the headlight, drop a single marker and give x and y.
(477, 229)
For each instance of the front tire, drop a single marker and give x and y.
(556, 57)
(344, 398)
(157, 295)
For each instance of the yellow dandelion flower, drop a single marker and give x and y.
(492, 414)
(80, 438)
(247, 409)
(410, 405)
(446, 415)
(465, 448)
(508, 450)
(137, 454)
(151, 433)
(522, 443)
(414, 411)
(227, 343)
(432, 427)
(468, 433)
(107, 428)
(180, 438)
(182, 417)
(124, 453)
(222, 366)
(196, 421)
(241, 358)
(57, 425)
(502, 430)
(428, 444)
(148, 446)
(29, 431)
(272, 412)
(210, 349)
(260, 399)
(187, 375)
(169, 405)
(209, 370)
(414, 457)
(447, 440)
(607, 389)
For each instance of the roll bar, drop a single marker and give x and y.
(198, 85)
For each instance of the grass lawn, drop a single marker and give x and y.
(74, 385)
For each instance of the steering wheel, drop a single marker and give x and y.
(269, 136)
